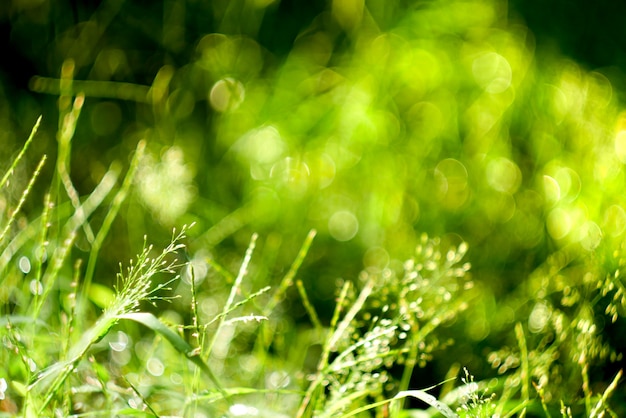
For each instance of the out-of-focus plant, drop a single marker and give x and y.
(371, 122)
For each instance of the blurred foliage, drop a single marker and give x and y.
(370, 121)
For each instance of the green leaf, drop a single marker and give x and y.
(430, 400)
(102, 296)
(182, 346)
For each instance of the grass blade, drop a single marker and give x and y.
(524, 373)
(182, 346)
(102, 89)
(606, 395)
(352, 313)
(51, 379)
(308, 306)
(108, 220)
(293, 270)
(64, 138)
(235, 289)
(422, 395)
(339, 329)
(430, 400)
(224, 313)
(61, 252)
(23, 198)
(19, 157)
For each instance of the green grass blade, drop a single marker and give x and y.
(241, 391)
(309, 306)
(119, 198)
(287, 281)
(143, 399)
(235, 289)
(61, 252)
(525, 368)
(25, 193)
(19, 157)
(422, 395)
(64, 138)
(51, 379)
(352, 313)
(224, 313)
(42, 243)
(103, 89)
(430, 400)
(518, 407)
(596, 412)
(182, 346)
(339, 330)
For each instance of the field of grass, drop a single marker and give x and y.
(350, 208)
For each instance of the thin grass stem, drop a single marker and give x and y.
(525, 368)
(315, 320)
(194, 307)
(64, 137)
(22, 200)
(143, 399)
(595, 412)
(61, 252)
(586, 388)
(103, 232)
(224, 313)
(235, 289)
(323, 363)
(40, 253)
(351, 314)
(102, 89)
(19, 157)
(287, 280)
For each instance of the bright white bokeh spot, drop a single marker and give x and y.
(24, 265)
(155, 366)
(241, 410)
(539, 317)
(492, 72)
(121, 343)
(3, 387)
(343, 225)
(198, 267)
(227, 94)
(262, 145)
(278, 379)
(36, 288)
(292, 174)
(176, 379)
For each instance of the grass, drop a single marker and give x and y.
(412, 213)
(60, 360)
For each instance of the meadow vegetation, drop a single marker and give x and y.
(349, 208)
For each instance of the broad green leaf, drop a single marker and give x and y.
(176, 340)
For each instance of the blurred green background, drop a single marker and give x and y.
(494, 123)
